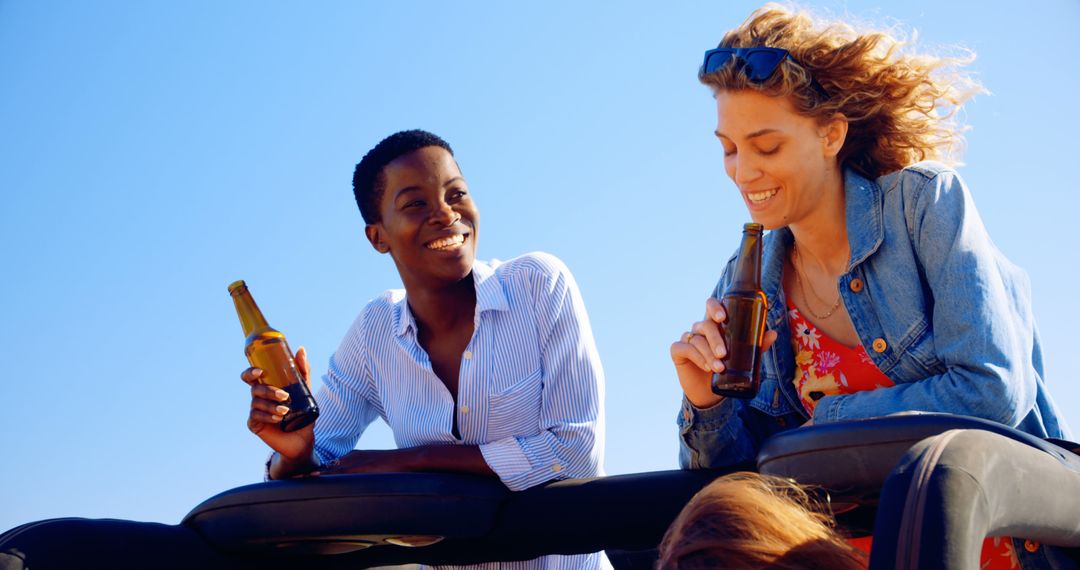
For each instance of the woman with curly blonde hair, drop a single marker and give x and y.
(885, 293)
(746, 521)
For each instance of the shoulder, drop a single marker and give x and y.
(368, 334)
(927, 190)
(921, 179)
(386, 304)
(380, 315)
(535, 268)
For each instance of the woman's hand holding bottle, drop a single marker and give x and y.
(268, 407)
(700, 352)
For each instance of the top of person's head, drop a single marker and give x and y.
(368, 178)
(900, 105)
(747, 521)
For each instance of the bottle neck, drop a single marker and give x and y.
(251, 318)
(748, 265)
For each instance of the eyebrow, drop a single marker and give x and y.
(417, 188)
(406, 189)
(754, 134)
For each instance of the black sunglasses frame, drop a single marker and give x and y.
(757, 72)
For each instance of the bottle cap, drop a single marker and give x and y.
(236, 285)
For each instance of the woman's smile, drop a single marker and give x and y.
(449, 243)
(759, 198)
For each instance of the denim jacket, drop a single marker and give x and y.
(938, 308)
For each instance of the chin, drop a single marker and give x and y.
(461, 270)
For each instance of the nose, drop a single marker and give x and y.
(744, 168)
(444, 214)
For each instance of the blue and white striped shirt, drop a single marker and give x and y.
(530, 388)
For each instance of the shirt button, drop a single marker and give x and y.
(464, 409)
(856, 285)
(879, 345)
(467, 355)
(556, 468)
(1031, 545)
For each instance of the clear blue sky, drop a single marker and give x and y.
(153, 152)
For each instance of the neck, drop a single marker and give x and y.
(821, 237)
(442, 309)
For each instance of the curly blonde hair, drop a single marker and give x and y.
(747, 521)
(901, 106)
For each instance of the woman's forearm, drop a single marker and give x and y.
(447, 458)
(457, 458)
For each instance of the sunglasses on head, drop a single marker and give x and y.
(758, 63)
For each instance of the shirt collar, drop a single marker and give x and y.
(490, 296)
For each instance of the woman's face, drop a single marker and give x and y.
(780, 160)
(428, 219)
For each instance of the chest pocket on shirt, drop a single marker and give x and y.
(516, 410)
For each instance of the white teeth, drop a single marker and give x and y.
(446, 243)
(762, 196)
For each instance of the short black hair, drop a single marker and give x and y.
(368, 180)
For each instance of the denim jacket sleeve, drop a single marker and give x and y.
(978, 353)
(714, 436)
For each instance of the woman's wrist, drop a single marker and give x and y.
(703, 401)
(280, 467)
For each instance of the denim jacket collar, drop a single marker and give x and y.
(863, 201)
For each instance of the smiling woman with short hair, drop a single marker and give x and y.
(484, 368)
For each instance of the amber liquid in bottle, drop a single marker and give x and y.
(744, 331)
(267, 349)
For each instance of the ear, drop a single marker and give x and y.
(374, 235)
(833, 134)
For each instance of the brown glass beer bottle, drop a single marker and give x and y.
(267, 349)
(744, 330)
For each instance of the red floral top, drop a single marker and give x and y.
(826, 367)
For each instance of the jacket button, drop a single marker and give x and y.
(856, 285)
(1031, 545)
(879, 345)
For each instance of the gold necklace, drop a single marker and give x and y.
(804, 286)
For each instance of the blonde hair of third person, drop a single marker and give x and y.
(751, 521)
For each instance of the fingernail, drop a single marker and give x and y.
(281, 410)
(276, 418)
(281, 395)
(717, 366)
(720, 352)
